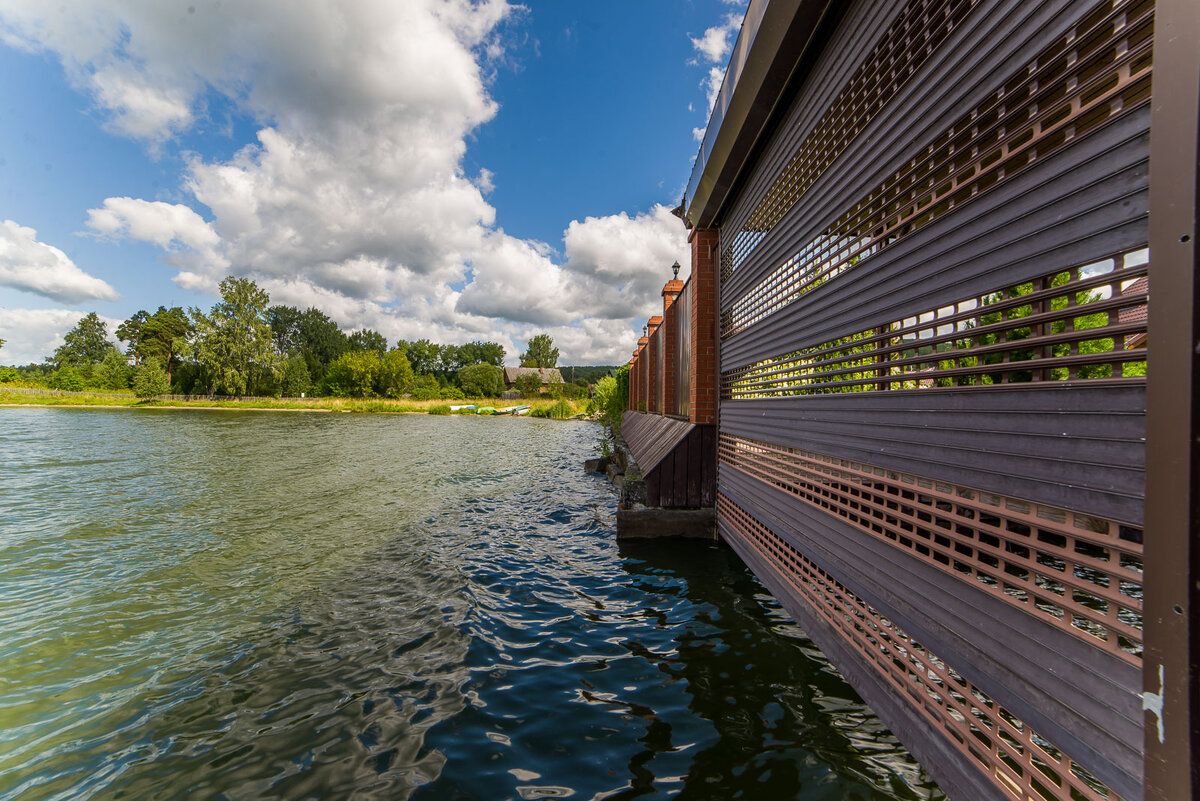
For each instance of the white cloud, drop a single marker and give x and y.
(712, 85)
(716, 42)
(620, 263)
(714, 47)
(33, 334)
(33, 266)
(353, 198)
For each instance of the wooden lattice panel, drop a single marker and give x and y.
(1096, 73)
(921, 26)
(1080, 573)
(1004, 748)
(1084, 323)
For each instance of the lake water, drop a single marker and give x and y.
(271, 605)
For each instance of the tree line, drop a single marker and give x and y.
(245, 346)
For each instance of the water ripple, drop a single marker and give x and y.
(200, 605)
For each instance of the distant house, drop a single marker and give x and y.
(1135, 314)
(549, 375)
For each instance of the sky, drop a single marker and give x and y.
(442, 169)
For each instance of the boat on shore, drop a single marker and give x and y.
(514, 410)
(486, 410)
(462, 406)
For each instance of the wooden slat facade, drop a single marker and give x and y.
(677, 459)
(933, 286)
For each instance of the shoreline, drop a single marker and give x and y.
(323, 405)
(136, 407)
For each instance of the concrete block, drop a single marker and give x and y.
(640, 522)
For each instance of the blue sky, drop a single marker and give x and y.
(429, 168)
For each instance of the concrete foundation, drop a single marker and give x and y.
(641, 522)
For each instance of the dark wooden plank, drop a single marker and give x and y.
(666, 471)
(708, 458)
(682, 471)
(653, 492)
(695, 447)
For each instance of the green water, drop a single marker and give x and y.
(268, 605)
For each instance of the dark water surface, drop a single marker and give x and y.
(270, 605)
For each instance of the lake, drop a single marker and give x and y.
(252, 605)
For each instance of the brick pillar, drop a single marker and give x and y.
(630, 379)
(643, 374)
(670, 346)
(705, 272)
(653, 351)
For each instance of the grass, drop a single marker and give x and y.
(562, 408)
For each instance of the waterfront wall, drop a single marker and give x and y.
(919, 298)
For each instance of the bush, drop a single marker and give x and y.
(67, 378)
(481, 380)
(561, 410)
(443, 409)
(426, 388)
(452, 393)
(114, 372)
(150, 379)
(541, 411)
(353, 374)
(9, 375)
(395, 374)
(296, 379)
(529, 385)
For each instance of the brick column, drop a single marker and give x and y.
(630, 379)
(670, 346)
(652, 353)
(643, 372)
(705, 272)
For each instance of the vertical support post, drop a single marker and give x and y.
(703, 381)
(654, 357)
(670, 344)
(1172, 548)
(643, 374)
(630, 379)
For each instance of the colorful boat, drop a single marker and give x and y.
(485, 410)
(513, 410)
(464, 406)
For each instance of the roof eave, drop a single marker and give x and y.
(769, 49)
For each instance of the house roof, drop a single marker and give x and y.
(549, 375)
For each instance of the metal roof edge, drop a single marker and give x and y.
(774, 37)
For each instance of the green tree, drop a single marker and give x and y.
(320, 340)
(481, 380)
(449, 359)
(295, 380)
(150, 379)
(354, 374)
(85, 344)
(424, 356)
(285, 328)
(131, 331)
(367, 339)
(426, 387)
(233, 341)
(164, 335)
(540, 353)
(114, 372)
(395, 374)
(529, 385)
(67, 377)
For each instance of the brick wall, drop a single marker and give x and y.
(670, 346)
(703, 286)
